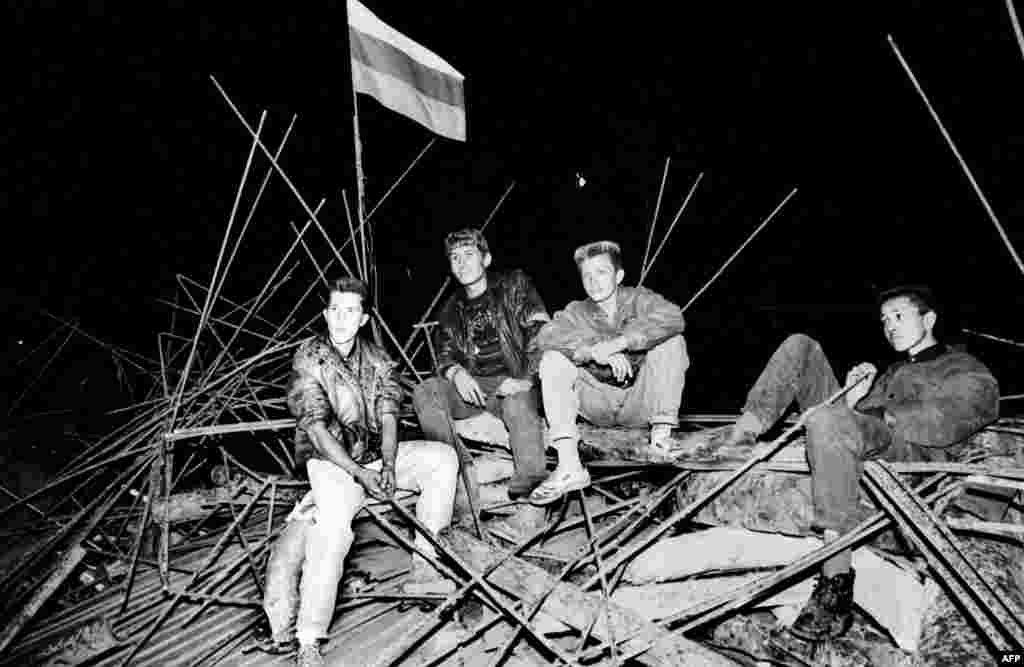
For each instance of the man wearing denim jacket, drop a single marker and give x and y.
(617, 358)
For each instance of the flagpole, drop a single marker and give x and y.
(360, 184)
(365, 246)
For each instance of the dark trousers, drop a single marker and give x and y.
(518, 411)
(839, 439)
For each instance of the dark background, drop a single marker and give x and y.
(121, 163)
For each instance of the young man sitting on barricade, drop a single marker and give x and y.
(345, 396)
(923, 408)
(617, 358)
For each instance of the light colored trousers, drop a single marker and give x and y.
(654, 397)
(431, 468)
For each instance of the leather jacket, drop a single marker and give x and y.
(347, 395)
(518, 312)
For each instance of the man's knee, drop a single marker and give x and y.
(426, 392)
(800, 343)
(554, 362)
(830, 426)
(670, 352)
(446, 459)
(518, 406)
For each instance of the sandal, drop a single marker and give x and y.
(558, 484)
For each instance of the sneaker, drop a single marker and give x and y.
(265, 641)
(745, 430)
(271, 646)
(558, 484)
(309, 656)
(662, 446)
(424, 579)
(829, 612)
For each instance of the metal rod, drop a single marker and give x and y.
(654, 218)
(740, 249)
(647, 267)
(1016, 25)
(959, 158)
(696, 505)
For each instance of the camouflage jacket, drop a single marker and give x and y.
(937, 399)
(348, 395)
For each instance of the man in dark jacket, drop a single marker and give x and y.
(481, 340)
(920, 409)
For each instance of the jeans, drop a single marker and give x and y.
(321, 546)
(839, 439)
(654, 398)
(518, 411)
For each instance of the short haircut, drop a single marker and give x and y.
(463, 237)
(921, 296)
(610, 248)
(345, 285)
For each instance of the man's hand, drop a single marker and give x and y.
(621, 367)
(603, 352)
(468, 388)
(387, 480)
(370, 480)
(867, 371)
(510, 386)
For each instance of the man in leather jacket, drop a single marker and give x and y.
(482, 338)
(345, 397)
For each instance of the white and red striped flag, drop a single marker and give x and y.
(404, 76)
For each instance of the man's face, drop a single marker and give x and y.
(904, 326)
(468, 264)
(600, 277)
(345, 316)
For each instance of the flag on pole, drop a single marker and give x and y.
(404, 76)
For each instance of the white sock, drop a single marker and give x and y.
(660, 431)
(568, 454)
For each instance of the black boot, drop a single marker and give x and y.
(829, 612)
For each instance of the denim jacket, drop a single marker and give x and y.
(645, 318)
(347, 395)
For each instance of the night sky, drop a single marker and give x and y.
(121, 161)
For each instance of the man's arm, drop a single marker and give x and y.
(388, 452)
(330, 449)
(448, 352)
(387, 402)
(656, 320)
(567, 332)
(531, 315)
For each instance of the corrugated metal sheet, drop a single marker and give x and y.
(215, 636)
